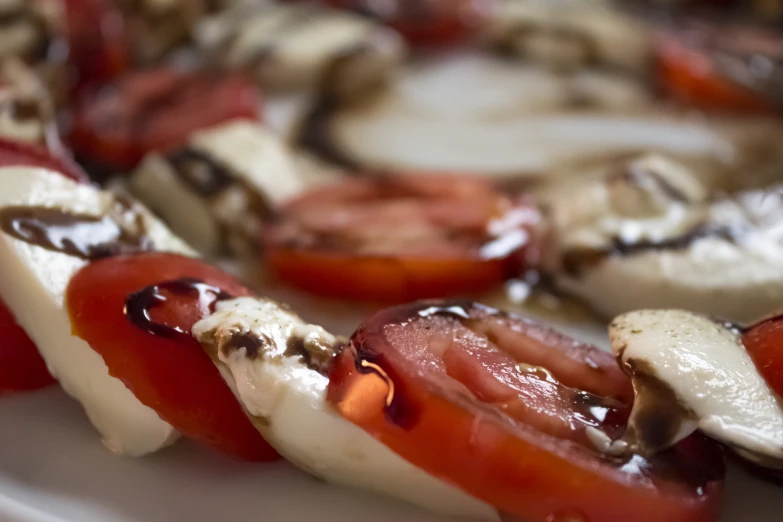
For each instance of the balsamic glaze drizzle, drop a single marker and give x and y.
(575, 260)
(200, 171)
(79, 235)
(138, 305)
(398, 407)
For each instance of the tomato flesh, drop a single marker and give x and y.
(427, 22)
(764, 342)
(172, 375)
(456, 389)
(400, 239)
(21, 366)
(144, 111)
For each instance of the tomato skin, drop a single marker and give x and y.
(97, 40)
(318, 244)
(117, 125)
(688, 73)
(21, 366)
(20, 154)
(382, 279)
(175, 377)
(525, 473)
(427, 22)
(764, 343)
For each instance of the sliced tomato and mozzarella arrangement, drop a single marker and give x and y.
(221, 186)
(52, 227)
(650, 233)
(115, 125)
(450, 405)
(292, 46)
(437, 116)
(425, 182)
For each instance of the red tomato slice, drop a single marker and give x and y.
(170, 374)
(764, 342)
(155, 110)
(402, 238)
(21, 366)
(506, 410)
(20, 154)
(427, 22)
(689, 72)
(97, 41)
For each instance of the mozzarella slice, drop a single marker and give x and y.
(691, 372)
(295, 46)
(567, 34)
(653, 242)
(216, 191)
(26, 111)
(262, 349)
(474, 113)
(33, 283)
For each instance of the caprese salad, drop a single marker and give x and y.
(393, 165)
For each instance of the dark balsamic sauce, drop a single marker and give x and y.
(315, 134)
(138, 305)
(644, 177)
(201, 172)
(210, 179)
(252, 343)
(657, 416)
(400, 410)
(577, 259)
(315, 356)
(79, 235)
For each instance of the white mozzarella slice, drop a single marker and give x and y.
(26, 108)
(657, 243)
(257, 155)
(157, 184)
(567, 34)
(261, 169)
(473, 113)
(287, 400)
(33, 283)
(294, 46)
(715, 385)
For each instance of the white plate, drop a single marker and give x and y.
(53, 468)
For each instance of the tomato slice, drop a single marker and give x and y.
(20, 154)
(514, 414)
(21, 366)
(693, 69)
(115, 126)
(427, 22)
(97, 41)
(402, 238)
(169, 373)
(764, 342)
